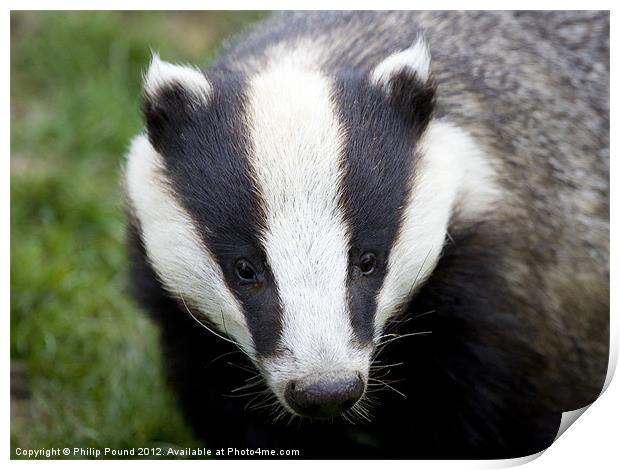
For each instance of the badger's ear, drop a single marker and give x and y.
(172, 93)
(406, 78)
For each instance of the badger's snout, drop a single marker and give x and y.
(324, 395)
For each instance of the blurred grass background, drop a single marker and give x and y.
(85, 365)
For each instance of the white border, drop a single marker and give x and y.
(591, 442)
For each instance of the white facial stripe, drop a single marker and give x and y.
(174, 247)
(162, 74)
(452, 169)
(297, 145)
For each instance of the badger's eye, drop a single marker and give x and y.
(245, 271)
(367, 263)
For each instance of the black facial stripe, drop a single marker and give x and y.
(206, 152)
(377, 167)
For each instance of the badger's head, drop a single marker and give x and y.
(294, 211)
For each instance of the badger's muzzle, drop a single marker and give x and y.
(324, 395)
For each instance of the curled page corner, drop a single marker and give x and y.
(568, 418)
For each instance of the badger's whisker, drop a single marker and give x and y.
(359, 411)
(422, 314)
(417, 276)
(374, 379)
(282, 413)
(387, 335)
(221, 356)
(234, 394)
(387, 385)
(407, 335)
(375, 367)
(242, 395)
(292, 418)
(201, 323)
(255, 376)
(224, 325)
(256, 383)
(267, 402)
(394, 336)
(450, 238)
(242, 367)
(346, 417)
(382, 372)
(407, 318)
(363, 411)
(371, 398)
(278, 412)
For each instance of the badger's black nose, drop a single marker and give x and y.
(324, 395)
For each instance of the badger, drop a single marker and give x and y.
(380, 234)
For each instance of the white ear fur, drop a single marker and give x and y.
(415, 61)
(162, 74)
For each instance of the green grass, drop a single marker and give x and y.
(90, 363)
